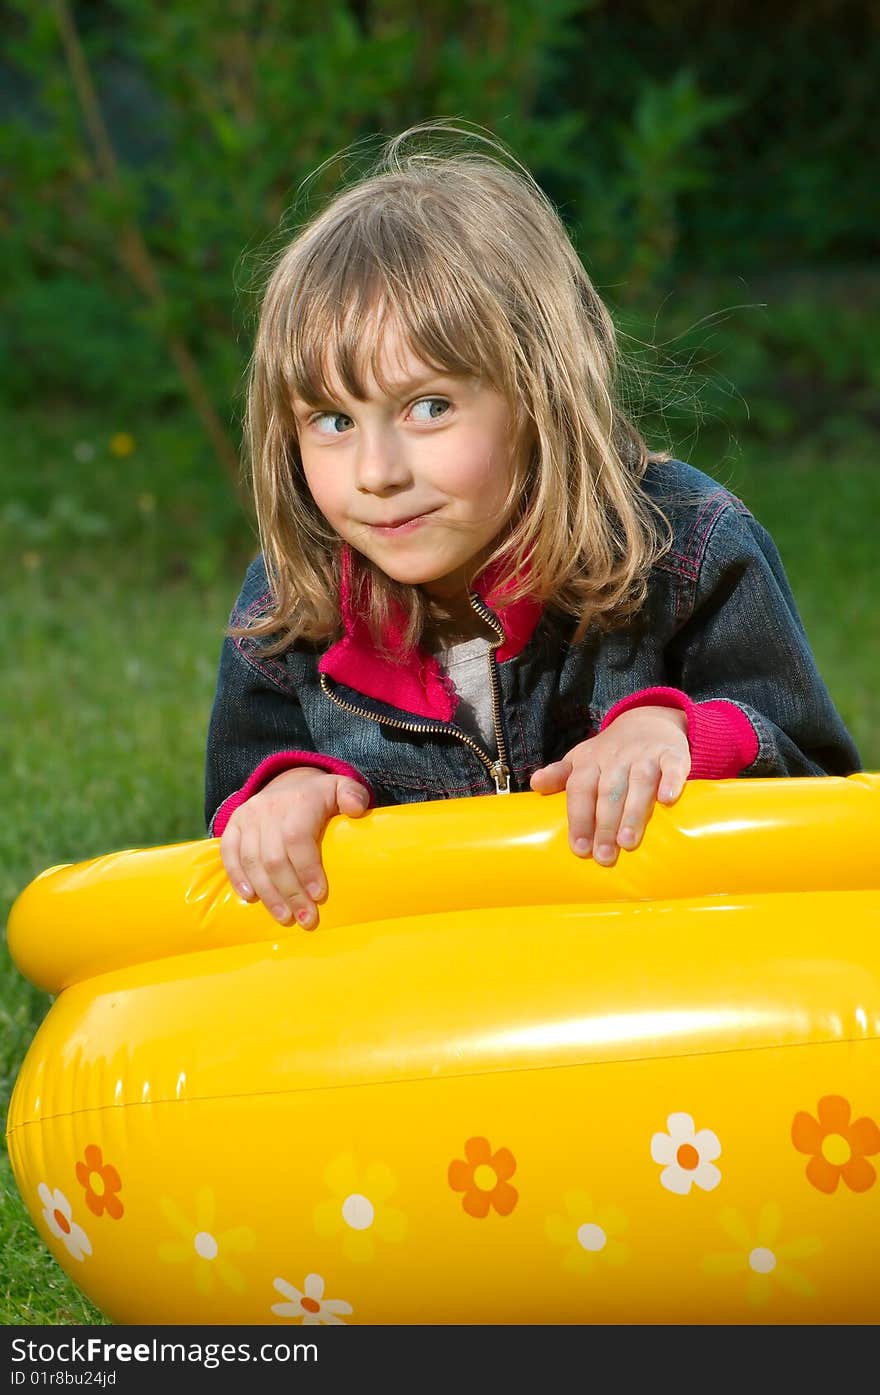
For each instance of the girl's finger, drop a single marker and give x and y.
(613, 788)
(352, 799)
(304, 856)
(257, 874)
(580, 801)
(550, 779)
(675, 766)
(289, 898)
(644, 776)
(230, 856)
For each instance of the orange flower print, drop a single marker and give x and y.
(839, 1148)
(100, 1182)
(484, 1179)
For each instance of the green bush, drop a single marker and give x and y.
(161, 151)
(65, 337)
(797, 360)
(792, 166)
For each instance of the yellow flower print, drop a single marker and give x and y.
(761, 1257)
(358, 1209)
(589, 1233)
(203, 1245)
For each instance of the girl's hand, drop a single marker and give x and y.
(611, 781)
(270, 845)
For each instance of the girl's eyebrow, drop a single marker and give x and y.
(404, 386)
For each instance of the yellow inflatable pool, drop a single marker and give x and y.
(498, 1084)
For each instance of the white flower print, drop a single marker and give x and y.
(310, 1307)
(58, 1215)
(688, 1156)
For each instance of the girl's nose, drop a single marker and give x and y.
(380, 464)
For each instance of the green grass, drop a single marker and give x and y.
(118, 575)
(105, 713)
(818, 494)
(821, 504)
(114, 606)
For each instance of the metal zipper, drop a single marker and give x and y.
(498, 769)
(502, 784)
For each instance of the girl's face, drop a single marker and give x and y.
(416, 477)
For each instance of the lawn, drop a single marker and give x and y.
(122, 552)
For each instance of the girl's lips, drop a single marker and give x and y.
(406, 525)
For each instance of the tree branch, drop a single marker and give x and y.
(134, 253)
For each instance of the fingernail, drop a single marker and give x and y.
(316, 890)
(306, 918)
(582, 847)
(281, 914)
(626, 837)
(245, 890)
(606, 853)
(667, 793)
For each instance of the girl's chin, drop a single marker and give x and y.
(411, 572)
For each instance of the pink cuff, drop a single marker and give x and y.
(721, 737)
(276, 765)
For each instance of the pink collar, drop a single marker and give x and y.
(417, 683)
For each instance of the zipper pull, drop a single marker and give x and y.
(501, 776)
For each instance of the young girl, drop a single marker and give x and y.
(475, 577)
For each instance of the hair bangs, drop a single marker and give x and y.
(377, 271)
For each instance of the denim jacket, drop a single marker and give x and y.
(719, 637)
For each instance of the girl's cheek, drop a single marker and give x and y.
(487, 480)
(322, 491)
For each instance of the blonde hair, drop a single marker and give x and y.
(467, 254)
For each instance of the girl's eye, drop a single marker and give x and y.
(332, 423)
(429, 408)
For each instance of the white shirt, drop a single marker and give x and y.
(467, 664)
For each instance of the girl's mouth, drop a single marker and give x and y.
(401, 527)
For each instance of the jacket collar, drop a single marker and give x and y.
(416, 682)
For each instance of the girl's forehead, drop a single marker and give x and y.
(378, 361)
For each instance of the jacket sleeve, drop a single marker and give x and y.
(744, 643)
(257, 727)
